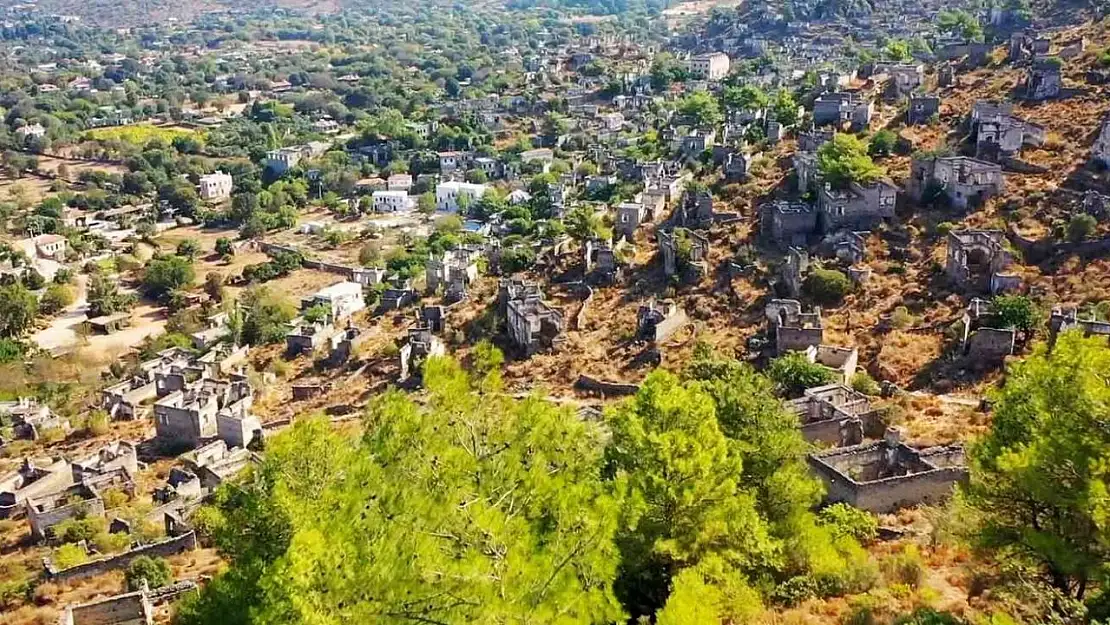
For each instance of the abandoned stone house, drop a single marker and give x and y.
(434, 318)
(629, 216)
(965, 182)
(685, 252)
(534, 325)
(849, 247)
(841, 361)
(737, 163)
(307, 337)
(181, 486)
(218, 462)
(1100, 151)
(807, 175)
(31, 480)
(901, 79)
(836, 415)
(793, 271)
(788, 223)
(171, 370)
(837, 108)
(887, 475)
(419, 346)
(983, 344)
(976, 260)
(1065, 318)
(1044, 81)
(697, 141)
(812, 140)
(657, 321)
(133, 608)
(398, 295)
(344, 344)
(185, 418)
(858, 207)
(28, 418)
(79, 500)
(1001, 137)
(695, 210)
(921, 109)
(453, 271)
(602, 261)
(509, 289)
(793, 330)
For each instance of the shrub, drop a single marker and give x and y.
(882, 144)
(1015, 311)
(55, 299)
(827, 286)
(70, 555)
(844, 520)
(1081, 227)
(155, 572)
(97, 423)
(793, 374)
(76, 530)
(906, 567)
(862, 382)
(944, 228)
(795, 590)
(901, 318)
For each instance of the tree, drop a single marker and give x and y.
(167, 274)
(224, 247)
(470, 508)
(1015, 311)
(685, 493)
(844, 160)
(883, 143)
(1039, 477)
(584, 223)
(898, 50)
(746, 98)
(426, 203)
(701, 109)
(18, 308)
(104, 297)
(826, 286)
(785, 108)
(188, 248)
(793, 373)
(960, 24)
(56, 298)
(156, 572)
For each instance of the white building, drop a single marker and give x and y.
(215, 186)
(31, 130)
(712, 66)
(612, 121)
(448, 194)
(392, 201)
(343, 298)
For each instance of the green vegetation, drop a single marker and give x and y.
(793, 373)
(960, 24)
(18, 308)
(845, 160)
(1038, 480)
(155, 572)
(142, 134)
(826, 286)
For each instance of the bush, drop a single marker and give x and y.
(97, 423)
(793, 374)
(795, 590)
(70, 555)
(944, 228)
(906, 567)
(1081, 227)
(55, 299)
(844, 520)
(901, 318)
(862, 382)
(827, 286)
(156, 572)
(883, 143)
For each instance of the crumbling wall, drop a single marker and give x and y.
(888, 495)
(164, 549)
(608, 389)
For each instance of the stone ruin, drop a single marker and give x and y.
(685, 252)
(343, 345)
(999, 135)
(793, 270)
(965, 182)
(657, 321)
(1044, 80)
(921, 109)
(1065, 318)
(453, 271)
(695, 209)
(434, 318)
(886, 475)
(1100, 151)
(603, 265)
(133, 608)
(982, 344)
(788, 223)
(793, 329)
(836, 415)
(976, 261)
(28, 418)
(398, 295)
(420, 345)
(534, 325)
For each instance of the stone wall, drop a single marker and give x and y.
(165, 548)
(788, 339)
(608, 389)
(129, 609)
